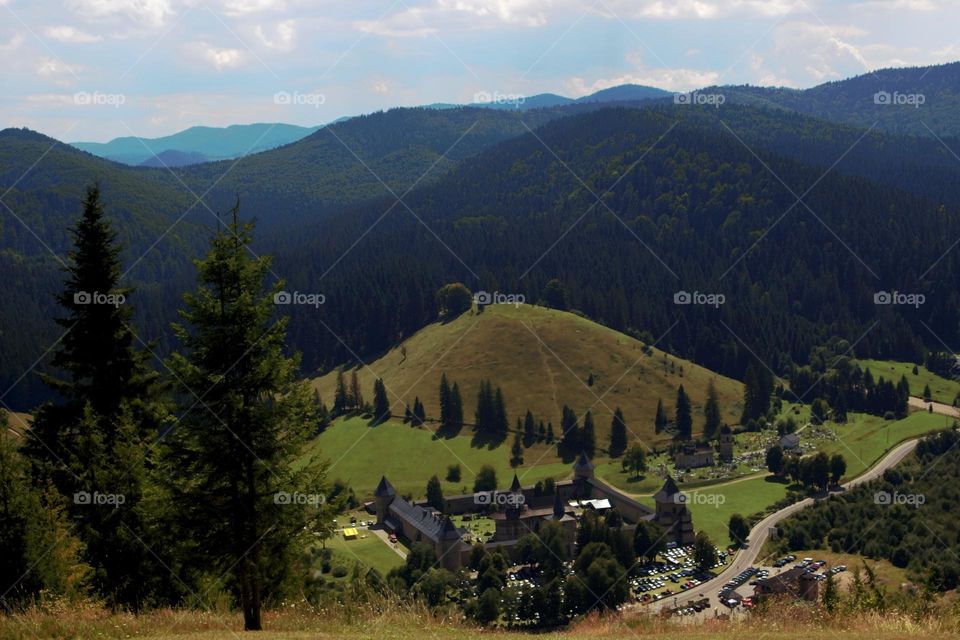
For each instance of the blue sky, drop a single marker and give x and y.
(99, 69)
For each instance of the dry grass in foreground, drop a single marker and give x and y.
(400, 621)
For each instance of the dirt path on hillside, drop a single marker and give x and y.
(938, 407)
(551, 377)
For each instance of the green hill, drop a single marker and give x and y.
(542, 359)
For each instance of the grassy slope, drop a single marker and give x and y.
(360, 454)
(941, 389)
(370, 551)
(865, 438)
(789, 622)
(542, 359)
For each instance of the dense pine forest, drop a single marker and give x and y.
(624, 205)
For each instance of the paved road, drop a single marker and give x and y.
(760, 533)
(938, 407)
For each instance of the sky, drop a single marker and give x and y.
(93, 70)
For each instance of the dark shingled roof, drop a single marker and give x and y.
(583, 462)
(384, 488)
(429, 524)
(667, 492)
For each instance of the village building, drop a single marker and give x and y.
(694, 455)
(790, 442)
(796, 582)
(725, 444)
(523, 510)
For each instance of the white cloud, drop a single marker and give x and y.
(13, 44)
(66, 33)
(223, 58)
(242, 7)
(660, 77)
(281, 37)
(380, 87)
(699, 9)
(529, 13)
(152, 13)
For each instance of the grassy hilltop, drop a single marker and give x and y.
(543, 359)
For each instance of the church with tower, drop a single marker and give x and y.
(523, 510)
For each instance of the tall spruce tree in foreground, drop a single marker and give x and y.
(94, 440)
(381, 405)
(232, 458)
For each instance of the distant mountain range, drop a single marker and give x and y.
(197, 144)
(498, 197)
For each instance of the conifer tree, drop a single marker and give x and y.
(660, 421)
(341, 399)
(446, 420)
(356, 396)
(516, 451)
(381, 405)
(711, 413)
(529, 429)
(500, 425)
(95, 440)
(684, 419)
(618, 434)
(231, 464)
(456, 407)
(588, 436)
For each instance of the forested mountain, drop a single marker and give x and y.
(501, 208)
(698, 212)
(162, 226)
(922, 101)
(209, 143)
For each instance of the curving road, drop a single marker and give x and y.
(760, 533)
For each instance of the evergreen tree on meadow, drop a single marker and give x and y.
(684, 418)
(435, 493)
(660, 421)
(94, 441)
(757, 387)
(456, 407)
(501, 426)
(588, 436)
(419, 412)
(446, 421)
(230, 464)
(356, 395)
(516, 451)
(341, 399)
(381, 405)
(711, 413)
(529, 429)
(618, 434)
